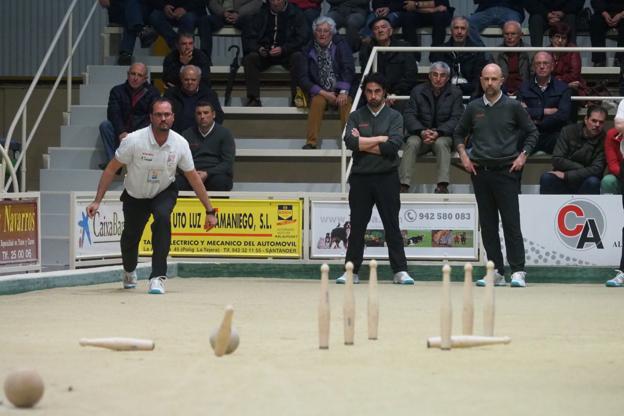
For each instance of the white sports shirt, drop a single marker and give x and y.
(152, 168)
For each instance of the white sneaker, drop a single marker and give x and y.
(518, 279)
(499, 280)
(129, 279)
(617, 281)
(343, 279)
(402, 278)
(157, 285)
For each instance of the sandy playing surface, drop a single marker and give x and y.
(566, 357)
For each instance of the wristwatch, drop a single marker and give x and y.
(211, 212)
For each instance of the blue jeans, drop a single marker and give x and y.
(352, 19)
(134, 20)
(109, 139)
(164, 26)
(552, 185)
(493, 16)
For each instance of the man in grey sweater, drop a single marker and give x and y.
(374, 134)
(500, 136)
(213, 150)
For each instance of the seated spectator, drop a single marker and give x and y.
(326, 74)
(547, 100)
(131, 14)
(129, 107)
(224, 12)
(516, 66)
(350, 14)
(465, 66)
(311, 9)
(183, 14)
(433, 110)
(608, 14)
(578, 159)
(388, 9)
(434, 13)
(400, 69)
(274, 36)
(213, 150)
(186, 97)
(545, 13)
(493, 13)
(614, 154)
(567, 65)
(185, 54)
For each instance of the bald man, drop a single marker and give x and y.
(496, 126)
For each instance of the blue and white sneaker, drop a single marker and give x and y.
(518, 279)
(402, 278)
(157, 285)
(343, 279)
(499, 280)
(129, 279)
(617, 281)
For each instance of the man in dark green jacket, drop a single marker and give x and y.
(578, 158)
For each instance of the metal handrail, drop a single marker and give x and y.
(372, 64)
(22, 110)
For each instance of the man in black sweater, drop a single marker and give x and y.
(374, 133)
(495, 125)
(213, 149)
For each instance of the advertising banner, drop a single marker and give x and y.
(98, 236)
(564, 230)
(431, 230)
(19, 232)
(245, 228)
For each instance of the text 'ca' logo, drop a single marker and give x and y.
(581, 225)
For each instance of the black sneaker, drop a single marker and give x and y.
(309, 146)
(147, 36)
(253, 102)
(124, 59)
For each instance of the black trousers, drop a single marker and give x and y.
(136, 213)
(598, 35)
(383, 191)
(219, 182)
(496, 191)
(538, 25)
(255, 64)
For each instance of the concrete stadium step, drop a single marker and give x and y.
(55, 225)
(285, 187)
(75, 157)
(55, 251)
(74, 180)
(87, 115)
(87, 136)
(53, 202)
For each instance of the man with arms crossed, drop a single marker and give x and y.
(151, 156)
(374, 134)
(495, 124)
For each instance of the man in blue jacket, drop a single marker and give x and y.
(547, 100)
(128, 109)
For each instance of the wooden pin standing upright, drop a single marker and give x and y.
(488, 301)
(324, 309)
(468, 311)
(348, 308)
(225, 330)
(373, 302)
(446, 309)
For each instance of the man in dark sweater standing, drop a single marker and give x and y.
(213, 150)
(495, 125)
(374, 134)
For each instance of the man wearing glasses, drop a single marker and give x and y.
(151, 155)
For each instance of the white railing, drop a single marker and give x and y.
(371, 65)
(21, 114)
